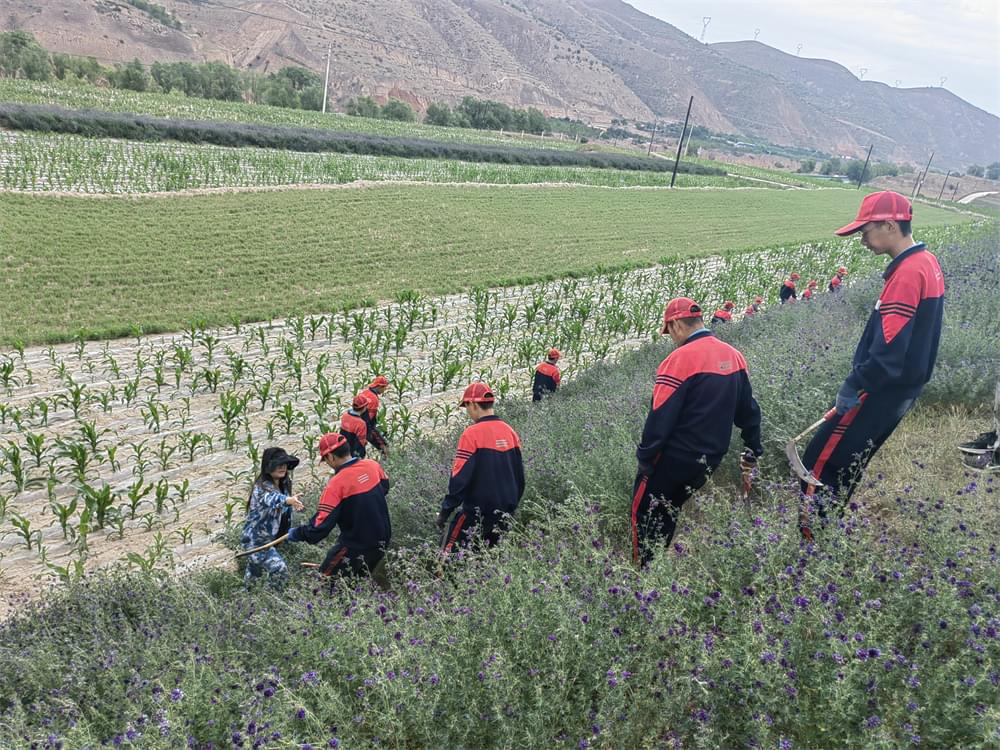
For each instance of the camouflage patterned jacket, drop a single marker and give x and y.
(268, 516)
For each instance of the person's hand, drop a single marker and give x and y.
(294, 502)
(294, 535)
(442, 519)
(847, 399)
(645, 469)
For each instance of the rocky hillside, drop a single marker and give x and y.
(591, 59)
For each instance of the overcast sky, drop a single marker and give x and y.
(915, 42)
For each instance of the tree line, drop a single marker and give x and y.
(21, 56)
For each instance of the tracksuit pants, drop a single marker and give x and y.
(468, 528)
(657, 500)
(342, 562)
(842, 447)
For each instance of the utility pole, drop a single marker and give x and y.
(652, 135)
(944, 184)
(954, 192)
(921, 178)
(705, 21)
(867, 158)
(326, 81)
(677, 159)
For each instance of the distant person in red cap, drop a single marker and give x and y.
(354, 501)
(895, 356)
(487, 476)
(354, 426)
(788, 293)
(810, 290)
(725, 314)
(701, 391)
(837, 280)
(373, 395)
(547, 376)
(755, 307)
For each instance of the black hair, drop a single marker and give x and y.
(284, 485)
(904, 227)
(342, 451)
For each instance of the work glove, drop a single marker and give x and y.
(442, 519)
(748, 460)
(295, 535)
(847, 398)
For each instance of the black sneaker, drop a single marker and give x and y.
(986, 442)
(984, 463)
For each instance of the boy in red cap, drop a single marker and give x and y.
(895, 356)
(547, 376)
(487, 476)
(354, 426)
(354, 501)
(372, 395)
(810, 290)
(755, 307)
(787, 292)
(725, 314)
(837, 280)
(701, 391)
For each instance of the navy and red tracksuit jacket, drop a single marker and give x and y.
(487, 475)
(354, 427)
(722, 316)
(701, 390)
(787, 291)
(547, 377)
(900, 343)
(354, 500)
(374, 436)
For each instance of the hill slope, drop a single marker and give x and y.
(592, 59)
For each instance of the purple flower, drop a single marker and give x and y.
(873, 721)
(300, 714)
(785, 744)
(176, 694)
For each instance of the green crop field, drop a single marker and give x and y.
(192, 108)
(99, 266)
(34, 162)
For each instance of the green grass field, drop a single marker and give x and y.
(100, 266)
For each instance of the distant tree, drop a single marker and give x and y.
(395, 109)
(832, 166)
(132, 76)
(21, 56)
(975, 170)
(438, 114)
(363, 106)
(993, 171)
(807, 166)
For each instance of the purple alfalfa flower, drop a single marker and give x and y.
(434, 679)
(873, 721)
(767, 657)
(801, 602)
(306, 746)
(310, 678)
(785, 744)
(269, 692)
(300, 713)
(176, 694)
(334, 742)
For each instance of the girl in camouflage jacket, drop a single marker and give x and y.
(269, 514)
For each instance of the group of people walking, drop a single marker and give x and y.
(700, 391)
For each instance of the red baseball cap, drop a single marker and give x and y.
(330, 442)
(883, 206)
(842, 270)
(757, 300)
(359, 402)
(729, 305)
(812, 282)
(680, 307)
(794, 276)
(554, 354)
(477, 393)
(380, 382)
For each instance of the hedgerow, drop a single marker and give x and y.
(142, 128)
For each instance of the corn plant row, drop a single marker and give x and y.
(191, 108)
(105, 445)
(41, 163)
